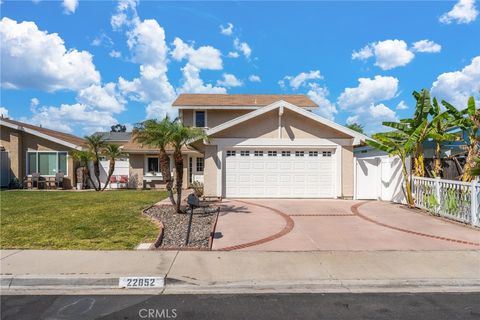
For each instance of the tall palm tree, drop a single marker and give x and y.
(95, 144)
(158, 134)
(181, 136)
(441, 122)
(83, 157)
(408, 126)
(402, 145)
(112, 152)
(468, 120)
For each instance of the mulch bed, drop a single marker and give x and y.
(176, 224)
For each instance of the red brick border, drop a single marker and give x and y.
(286, 229)
(356, 212)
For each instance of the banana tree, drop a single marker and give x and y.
(399, 144)
(475, 171)
(158, 134)
(112, 152)
(181, 136)
(468, 120)
(423, 108)
(441, 123)
(95, 144)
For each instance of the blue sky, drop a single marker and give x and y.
(81, 66)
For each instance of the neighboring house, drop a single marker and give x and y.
(28, 149)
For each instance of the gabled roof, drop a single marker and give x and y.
(241, 100)
(358, 137)
(59, 137)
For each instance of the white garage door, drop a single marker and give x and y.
(280, 173)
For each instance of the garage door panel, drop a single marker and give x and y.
(280, 176)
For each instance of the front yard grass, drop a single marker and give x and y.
(76, 220)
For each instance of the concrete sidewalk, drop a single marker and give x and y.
(187, 272)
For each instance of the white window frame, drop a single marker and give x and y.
(196, 165)
(44, 151)
(145, 166)
(195, 118)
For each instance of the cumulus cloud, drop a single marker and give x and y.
(69, 116)
(402, 105)
(388, 54)
(115, 54)
(426, 46)
(254, 78)
(368, 91)
(382, 112)
(228, 30)
(243, 47)
(34, 102)
(31, 58)
(233, 54)
(125, 14)
(70, 6)
(102, 97)
(456, 86)
(229, 81)
(463, 12)
(299, 80)
(319, 95)
(4, 112)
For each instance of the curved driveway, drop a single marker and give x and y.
(307, 225)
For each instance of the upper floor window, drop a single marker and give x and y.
(200, 119)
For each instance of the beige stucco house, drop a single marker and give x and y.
(27, 149)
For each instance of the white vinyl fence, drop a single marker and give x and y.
(449, 198)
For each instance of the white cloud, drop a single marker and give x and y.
(319, 95)
(70, 6)
(203, 58)
(382, 112)
(103, 98)
(69, 116)
(115, 54)
(125, 14)
(402, 105)
(228, 30)
(463, 11)
(427, 46)
(368, 91)
(229, 81)
(4, 112)
(388, 54)
(233, 54)
(254, 78)
(34, 102)
(455, 87)
(35, 59)
(102, 40)
(301, 79)
(243, 47)
(352, 119)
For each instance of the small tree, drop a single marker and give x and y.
(468, 120)
(401, 145)
(95, 144)
(355, 126)
(158, 134)
(181, 136)
(118, 128)
(83, 157)
(112, 152)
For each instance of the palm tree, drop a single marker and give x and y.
(83, 157)
(408, 126)
(95, 145)
(181, 136)
(158, 134)
(441, 122)
(402, 145)
(112, 152)
(468, 120)
(355, 126)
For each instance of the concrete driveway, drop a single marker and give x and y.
(309, 225)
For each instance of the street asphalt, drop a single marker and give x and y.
(425, 306)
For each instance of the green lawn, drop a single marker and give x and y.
(76, 220)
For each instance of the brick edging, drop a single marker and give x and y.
(356, 212)
(286, 229)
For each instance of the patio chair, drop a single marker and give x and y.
(59, 180)
(36, 179)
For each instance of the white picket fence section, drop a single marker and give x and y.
(456, 200)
